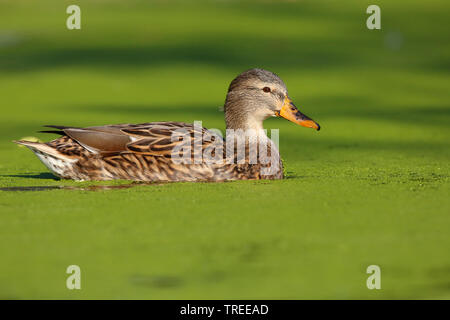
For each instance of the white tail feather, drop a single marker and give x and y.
(51, 158)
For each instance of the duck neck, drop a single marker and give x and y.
(245, 124)
(241, 115)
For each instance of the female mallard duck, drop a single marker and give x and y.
(176, 151)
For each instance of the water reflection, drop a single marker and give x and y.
(82, 188)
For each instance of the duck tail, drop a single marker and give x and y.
(60, 164)
(40, 148)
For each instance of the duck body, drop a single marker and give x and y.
(141, 152)
(178, 151)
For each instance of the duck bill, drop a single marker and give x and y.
(290, 112)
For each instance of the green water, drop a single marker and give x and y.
(371, 188)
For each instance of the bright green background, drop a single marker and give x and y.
(372, 187)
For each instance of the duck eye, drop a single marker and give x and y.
(266, 89)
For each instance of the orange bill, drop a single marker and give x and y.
(290, 112)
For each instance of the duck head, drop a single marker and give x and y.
(256, 95)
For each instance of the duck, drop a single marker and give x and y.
(178, 151)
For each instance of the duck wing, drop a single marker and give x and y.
(105, 139)
(163, 138)
(155, 138)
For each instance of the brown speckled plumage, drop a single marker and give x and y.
(143, 152)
